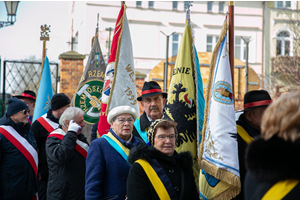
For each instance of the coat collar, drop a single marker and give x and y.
(274, 159)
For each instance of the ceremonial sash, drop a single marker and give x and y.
(244, 135)
(159, 179)
(280, 189)
(22, 145)
(142, 133)
(81, 147)
(117, 145)
(47, 123)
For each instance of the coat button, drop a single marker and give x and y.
(171, 171)
(177, 189)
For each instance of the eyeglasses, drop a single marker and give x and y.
(122, 120)
(25, 111)
(164, 137)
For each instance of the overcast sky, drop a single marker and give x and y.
(22, 40)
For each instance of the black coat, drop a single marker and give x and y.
(66, 168)
(139, 185)
(17, 178)
(41, 134)
(242, 145)
(269, 162)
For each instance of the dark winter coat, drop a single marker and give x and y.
(269, 162)
(242, 145)
(106, 170)
(66, 167)
(41, 134)
(17, 178)
(144, 123)
(139, 185)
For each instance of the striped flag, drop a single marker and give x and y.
(119, 83)
(185, 102)
(218, 157)
(89, 91)
(45, 92)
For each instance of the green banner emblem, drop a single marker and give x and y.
(88, 98)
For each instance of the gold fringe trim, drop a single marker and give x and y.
(221, 174)
(209, 85)
(228, 194)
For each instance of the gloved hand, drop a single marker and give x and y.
(73, 126)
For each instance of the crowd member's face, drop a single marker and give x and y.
(21, 116)
(123, 126)
(153, 106)
(254, 117)
(30, 103)
(164, 140)
(80, 121)
(61, 110)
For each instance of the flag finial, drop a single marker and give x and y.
(97, 28)
(187, 5)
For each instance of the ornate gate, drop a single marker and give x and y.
(18, 76)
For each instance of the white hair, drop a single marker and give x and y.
(69, 114)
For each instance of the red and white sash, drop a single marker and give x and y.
(81, 147)
(47, 123)
(22, 145)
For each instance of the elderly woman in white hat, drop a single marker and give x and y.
(107, 165)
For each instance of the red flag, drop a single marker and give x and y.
(119, 83)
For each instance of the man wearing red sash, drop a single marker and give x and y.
(18, 156)
(66, 149)
(29, 98)
(248, 126)
(41, 128)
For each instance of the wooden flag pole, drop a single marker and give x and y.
(231, 41)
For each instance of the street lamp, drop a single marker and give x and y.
(247, 41)
(110, 30)
(11, 8)
(166, 63)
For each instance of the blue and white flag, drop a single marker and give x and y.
(45, 92)
(220, 176)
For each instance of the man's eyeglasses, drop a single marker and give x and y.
(164, 137)
(122, 120)
(25, 111)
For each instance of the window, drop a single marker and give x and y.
(209, 6)
(176, 38)
(138, 4)
(175, 5)
(221, 7)
(240, 48)
(211, 42)
(283, 44)
(150, 4)
(282, 4)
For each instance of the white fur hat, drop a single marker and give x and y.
(121, 110)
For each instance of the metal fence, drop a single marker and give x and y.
(18, 76)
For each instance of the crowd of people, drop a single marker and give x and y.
(52, 159)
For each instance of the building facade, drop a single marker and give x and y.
(152, 22)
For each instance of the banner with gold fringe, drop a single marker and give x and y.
(218, 153)
(181, 105)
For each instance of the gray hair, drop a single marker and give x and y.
(69, 114)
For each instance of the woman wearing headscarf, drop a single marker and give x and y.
(158, 171)
(273, 158)
(107, 165)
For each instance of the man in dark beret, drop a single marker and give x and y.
(18, 155)
(41, 128)
(29, 98)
